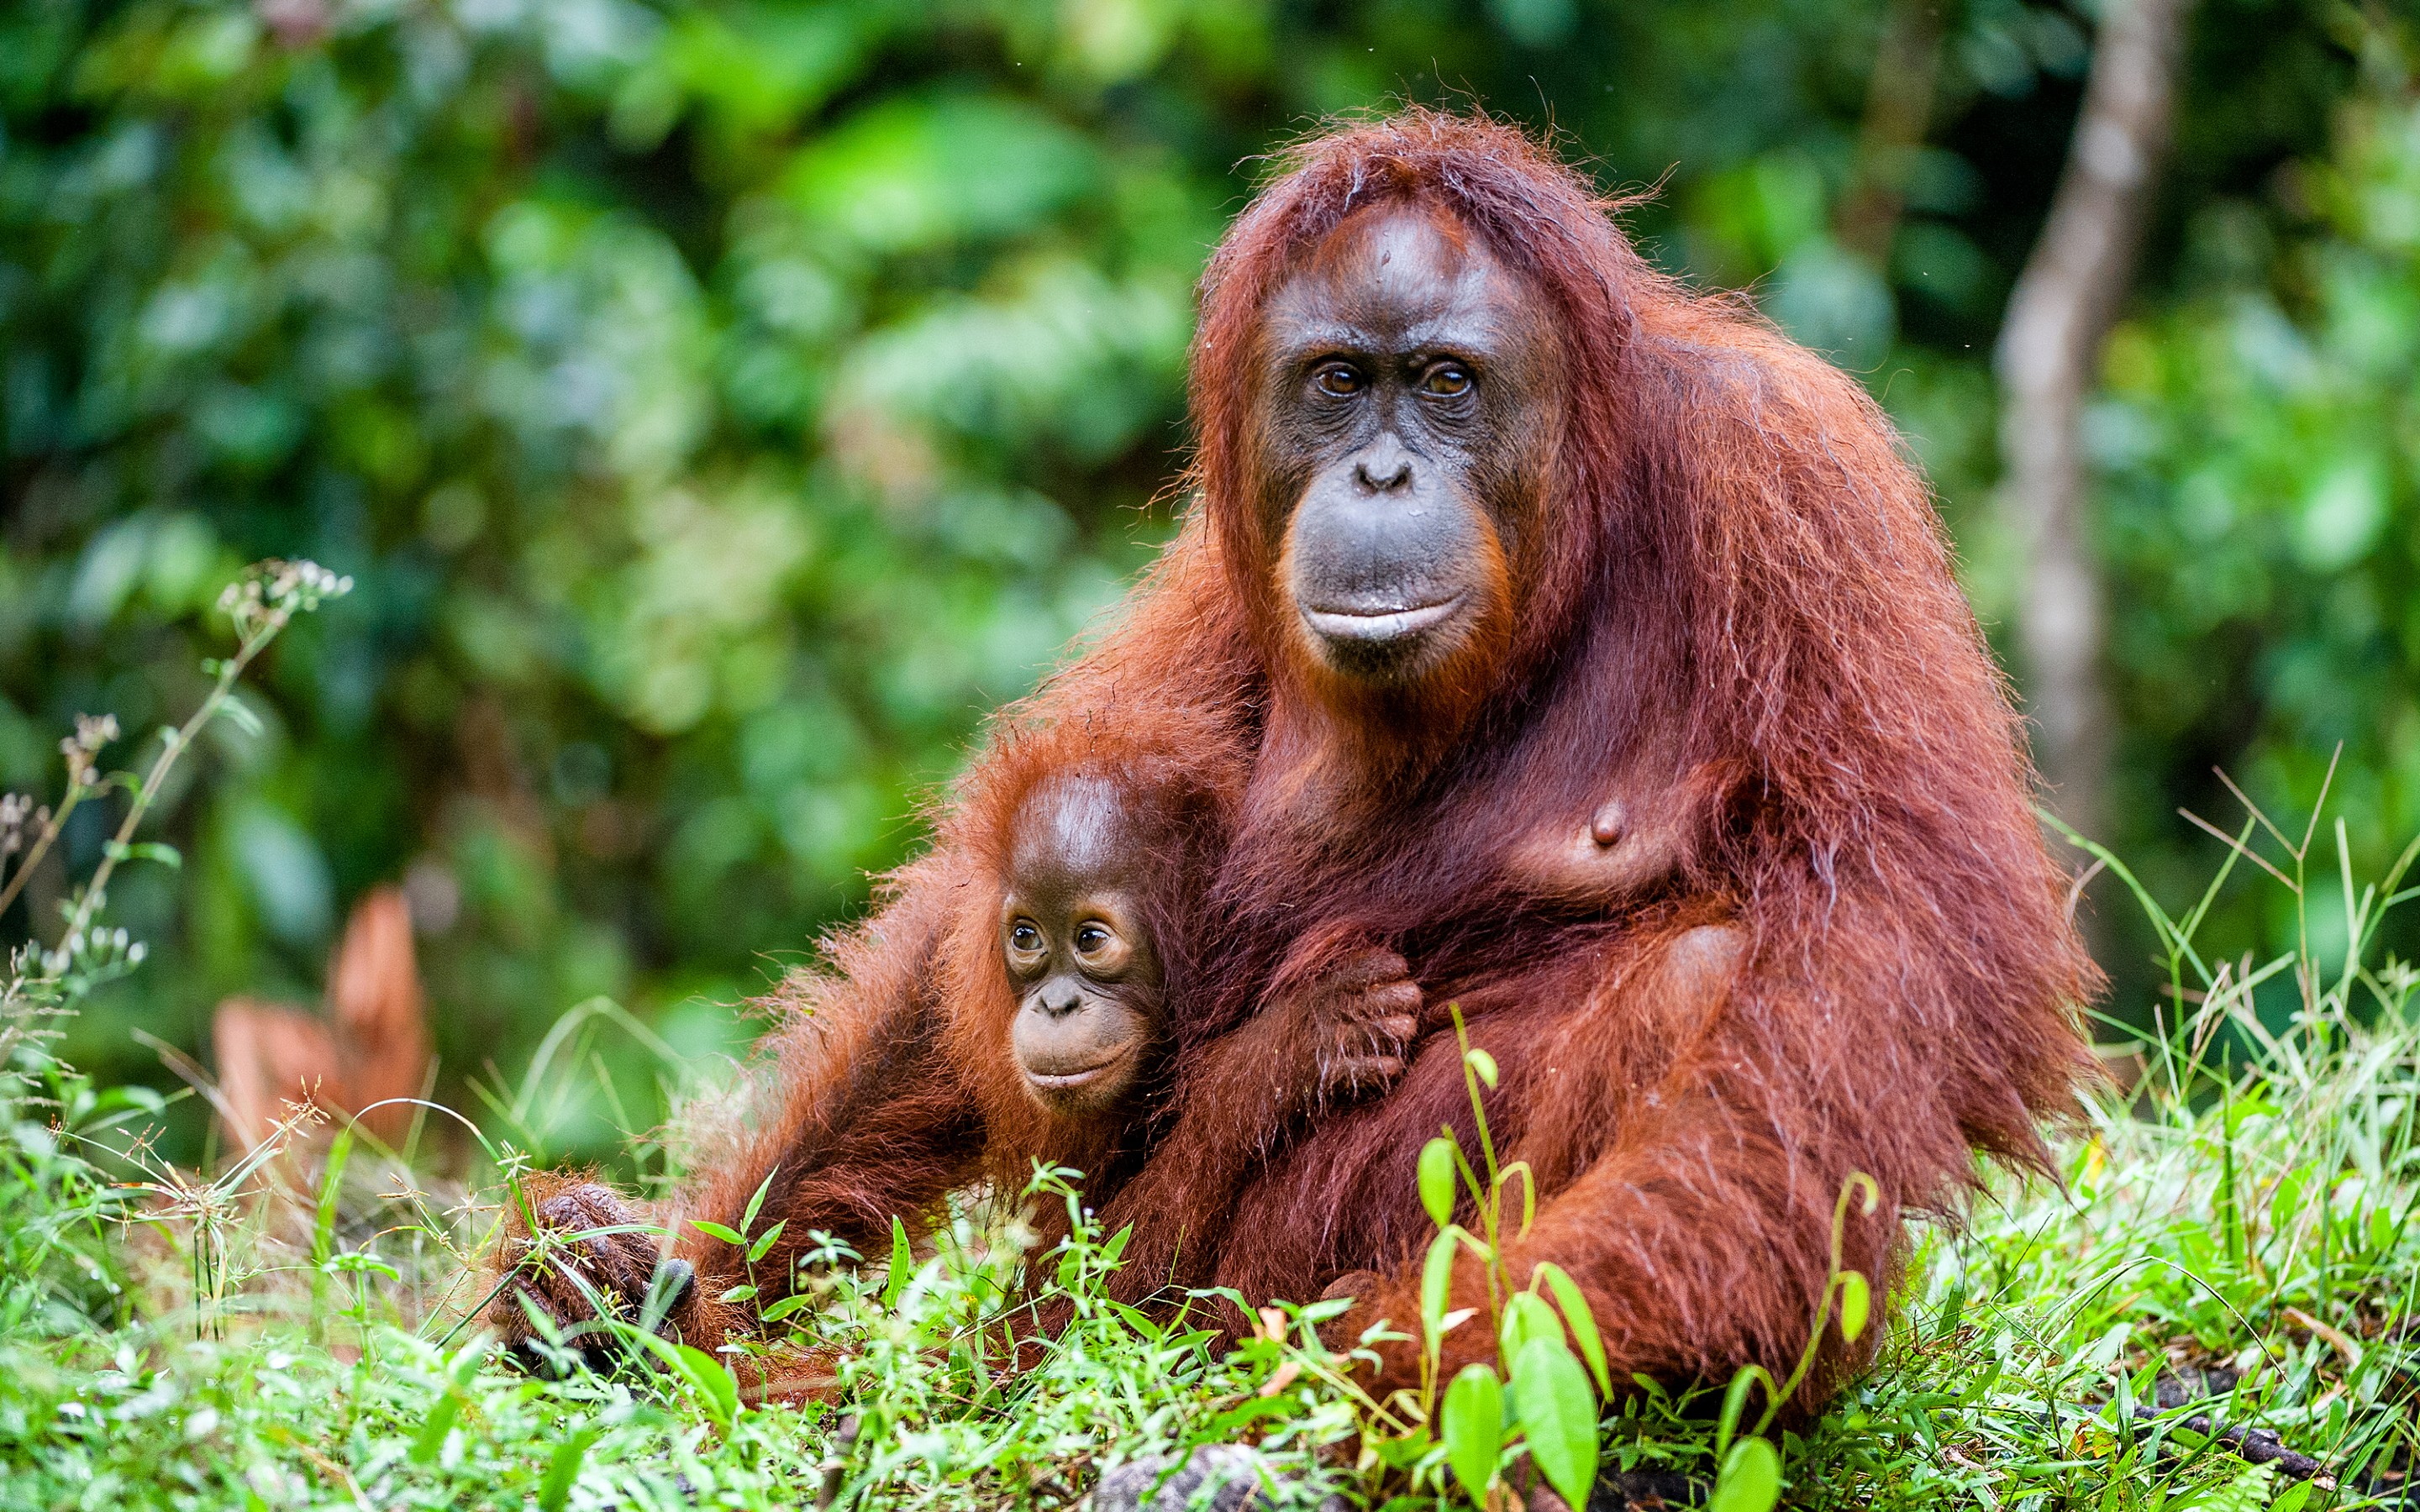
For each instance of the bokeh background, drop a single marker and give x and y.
(722, 405)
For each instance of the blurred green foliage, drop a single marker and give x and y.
(721, 406)
(2261, 510)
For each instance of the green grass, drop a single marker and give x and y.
(290, 1331)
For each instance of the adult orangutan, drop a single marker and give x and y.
(1594, 650)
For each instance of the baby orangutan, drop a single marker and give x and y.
(1099, 929)
(1079, 949)
(1058, 1004)
(1082, 930)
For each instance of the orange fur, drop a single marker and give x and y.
(1738, 574)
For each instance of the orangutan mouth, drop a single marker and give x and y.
(1380, 626)
(1069, 1081)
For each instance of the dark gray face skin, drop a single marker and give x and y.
(1406, 435)
(1073, 936)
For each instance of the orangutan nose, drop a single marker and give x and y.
(1059, 998)
(1385, 467)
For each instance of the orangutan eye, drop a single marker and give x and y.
(1023, 936)
(1338, 379)
(1446, 380)
(1093, 939)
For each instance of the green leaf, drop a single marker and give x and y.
(786, 1307)
(323, 1227)
(1136, 1319)
(756, 1202)
(1405, 1453)
(155, 850)
(1474, 1428)
(1529, 1191)
(1952, 1314)
(2292, 1498)
(715, 1230)
(1582, 1322)
(1857, 1299)
(903, 1264)
(139, 1099)
(1735, 1404)
(1557, 1413)
(2246, 1491)
(717, 1388)
(432, 1433)
(1527, 1317)
(909, 175)
(738, 1294)
(1436, 1179)
(1481, 1062)
(765, 1242)
(1750, 1479)
(1243, 1415)
(563, 1470)
(2286, 1200)
(360, 1262)
(1436, 1282)
(449, 1405)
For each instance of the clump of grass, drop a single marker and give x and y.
(56, 1205)
(2233, 1248)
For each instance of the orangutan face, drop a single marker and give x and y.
(1072, 931)
(1406, 430)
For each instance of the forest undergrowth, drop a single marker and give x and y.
(2215, 1308)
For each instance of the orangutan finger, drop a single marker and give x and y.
(1366, 1070)
(1368, 966)
(1401, 999)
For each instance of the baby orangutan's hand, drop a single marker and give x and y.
(1353, 1024)
(593, 1255)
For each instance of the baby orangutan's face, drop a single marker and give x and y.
(1072, 931)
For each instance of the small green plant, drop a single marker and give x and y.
(1544, 1399)
(1749, 1479)
(1545, 1395)
(43, 984)
(269, 1334)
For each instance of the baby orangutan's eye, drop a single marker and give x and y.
(1093, 939)
(1023, 936)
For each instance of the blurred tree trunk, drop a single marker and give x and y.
(1898, 112)
(2049, 346)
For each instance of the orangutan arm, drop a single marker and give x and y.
(1702, 1235)
(858, 1118)
(1342, 1033)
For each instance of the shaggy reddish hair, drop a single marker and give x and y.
(1740, 574)
(1739, 619)
(1178, 783)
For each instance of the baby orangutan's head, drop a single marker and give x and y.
(1077, 936)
